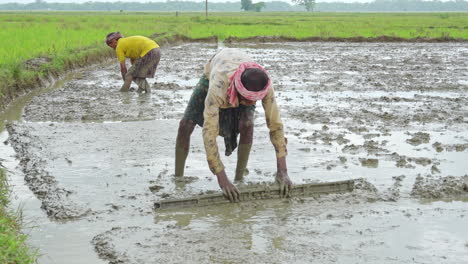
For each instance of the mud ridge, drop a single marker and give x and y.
(106, 250)
(364, 192)
(441, 187)
(177, 39)
(393, 192)
(260, 39)
(54, 198)
(45, 75)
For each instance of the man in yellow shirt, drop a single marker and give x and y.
(223, 103)
(144, 55)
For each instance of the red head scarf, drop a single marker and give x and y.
(236, 86)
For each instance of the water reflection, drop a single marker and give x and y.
(257, 220)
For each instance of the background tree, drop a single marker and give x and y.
(308, 4)
(258, 6)
(246, 5)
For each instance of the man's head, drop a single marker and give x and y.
(112, 38)
(249, 83)
(254, 79)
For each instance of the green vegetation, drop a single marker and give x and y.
(53, 35)
(13, 249)
(63, 40)
(247, 5)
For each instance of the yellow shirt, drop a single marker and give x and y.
(218, 70)
(134, 47)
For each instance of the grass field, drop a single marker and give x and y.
(31, 35)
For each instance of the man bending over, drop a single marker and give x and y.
(223, 103)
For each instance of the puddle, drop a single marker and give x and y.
(88, 162)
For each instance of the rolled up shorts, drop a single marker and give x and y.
(145, 67)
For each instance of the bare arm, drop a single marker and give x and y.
(123, 70)
(278, 140)
(229, 190)
(282, 176)
(210, 132)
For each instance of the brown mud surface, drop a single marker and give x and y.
(263, 39)
(394, 114)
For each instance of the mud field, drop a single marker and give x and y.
(89, 162)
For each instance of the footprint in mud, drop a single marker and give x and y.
(185, 179)
(163, 173)
(421, 161)
(419, 138)
(438, 146)
(393, 193)
(182, 182)
(371, 135)
(369, 163)
(113, 207)
(403, 163)
(304, 149)
(434, 169)
(155, 188)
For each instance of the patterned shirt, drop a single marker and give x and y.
(218, 70)
(134, 47)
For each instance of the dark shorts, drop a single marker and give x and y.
(228, 118)
(145, 67)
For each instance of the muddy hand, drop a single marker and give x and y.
(229, 190)
(284, 182)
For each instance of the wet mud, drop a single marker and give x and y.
(394, 115)
(54, 198)
(441, 187)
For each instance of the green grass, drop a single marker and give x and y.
(54, 34)
(71, 38)
(13, 248)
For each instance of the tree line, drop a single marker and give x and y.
(248, 5)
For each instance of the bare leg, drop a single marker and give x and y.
(147, 87)
(127, 83)
(143, 85)
(245, 144)
(186, 128)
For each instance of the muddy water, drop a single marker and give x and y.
(89, 162)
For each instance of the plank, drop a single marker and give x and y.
(258, 192)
